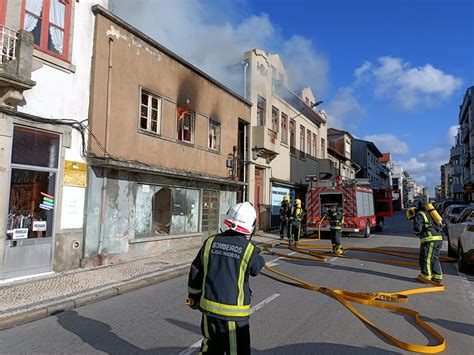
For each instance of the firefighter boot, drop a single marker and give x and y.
(339, 250)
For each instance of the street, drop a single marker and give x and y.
(286, 319)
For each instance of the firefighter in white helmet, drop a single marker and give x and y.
(219, 283)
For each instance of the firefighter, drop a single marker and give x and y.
(296, 220)
(285, 212)
(336, 221)
(219, 283)
(431, 241)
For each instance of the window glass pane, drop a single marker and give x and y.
(56, 13)
(154, 126)
(31, 205)
(144, 99)
(38, 148)
(143, 123)
(143, 220)
(178, 218)
(210, 211)
(34, 6)
(192, 211)
(162, 210)
(56, 40)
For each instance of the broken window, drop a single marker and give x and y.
(186, 126)
(214, 135)
(275, 119)
(292, 137)
(150, 112)
(210, 211)
(284, 128)
(302, 141)
(261, 103)
(161, 211)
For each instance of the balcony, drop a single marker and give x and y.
(16, 59)
(265, 143)
(457, 170)
(465, 133)
(456, 151)
(466, 159)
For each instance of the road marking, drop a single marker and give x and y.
(332, 259)
(274, 263)
(197, 345)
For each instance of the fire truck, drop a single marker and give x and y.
(357, 201)
(384, 206)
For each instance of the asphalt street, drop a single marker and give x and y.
(286, 319)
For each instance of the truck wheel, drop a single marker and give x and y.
(367, 229)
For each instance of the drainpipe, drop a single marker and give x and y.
(103, 209)
(245, 78)
(246, 178)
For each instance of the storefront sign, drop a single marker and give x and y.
(20, 233)
(278, 193)
(75, 173)
(39, 226)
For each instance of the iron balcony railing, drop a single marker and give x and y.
(8, 42)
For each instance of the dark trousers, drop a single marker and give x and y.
(295, 231)
(335, 237)
(224, 337)
(284, 228)
(429, 259)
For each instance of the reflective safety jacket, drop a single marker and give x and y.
(219, 276)
(285, 211)
(336, 220)
(425, 228)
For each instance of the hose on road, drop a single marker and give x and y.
(313, 253)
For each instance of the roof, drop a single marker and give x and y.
(295, 101)
(386, 157)
(371, 146)
(336, 154)
(97, 9)
(337, 132)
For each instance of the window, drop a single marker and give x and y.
(185, 126)
(161, 211)
(275, 119)
(323, 148)
(49, 22)
(302, 132)
(348, 148)
(315, 145)
(210, 211)
(32, 190)
(292, 137)
(261, 103)
(214, 135)
(150, 112)
(308, 142)
(284, 128)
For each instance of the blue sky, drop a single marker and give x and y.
(394, 72)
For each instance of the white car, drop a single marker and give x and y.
(456, 228)
(466, 249)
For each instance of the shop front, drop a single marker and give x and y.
(33, 185)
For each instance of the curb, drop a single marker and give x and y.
(82, 300)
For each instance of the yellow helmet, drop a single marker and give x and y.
(298, 202)
(286, 199)
(411, 212)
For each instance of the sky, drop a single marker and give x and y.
(394, 72)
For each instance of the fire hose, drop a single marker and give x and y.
(378, 299)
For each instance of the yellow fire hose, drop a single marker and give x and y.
(370, 299)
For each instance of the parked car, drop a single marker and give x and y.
(466, 249)
(452, 212)
(445, 205)
(457, 227)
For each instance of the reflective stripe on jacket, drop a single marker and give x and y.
(219, 275)
(425, 228)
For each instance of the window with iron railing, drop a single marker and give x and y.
(8, 42)
(292, 137)
(302, 142)
(284, 128)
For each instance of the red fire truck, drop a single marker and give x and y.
(357, 201)
(383, 200)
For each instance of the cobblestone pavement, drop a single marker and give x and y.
(21, 296)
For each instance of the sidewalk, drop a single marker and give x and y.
(28, 300)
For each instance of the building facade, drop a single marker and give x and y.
(165, 147)
(455, 179)
(44, 101)
(466, 123)
(366, 155)
(340, 153)
(287, 138)
(386, 171)
(397, 185)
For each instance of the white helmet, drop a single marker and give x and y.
(240, 218)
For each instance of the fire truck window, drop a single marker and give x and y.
(329, 200)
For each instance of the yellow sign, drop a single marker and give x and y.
(75, 173)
